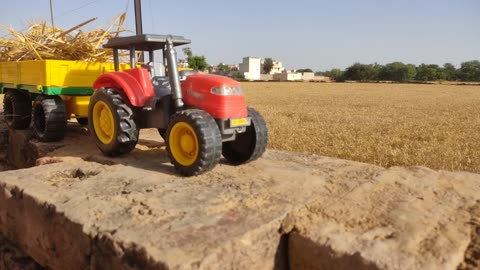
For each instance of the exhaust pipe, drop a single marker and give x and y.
(173, 74)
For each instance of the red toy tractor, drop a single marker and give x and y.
(200, 116)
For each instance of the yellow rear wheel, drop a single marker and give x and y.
(103, 122)
(110, 121)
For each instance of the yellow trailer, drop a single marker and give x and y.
(59, 90)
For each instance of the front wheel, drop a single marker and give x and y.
(194, 142)
(111, 123)
(251, 144)
(49, 118)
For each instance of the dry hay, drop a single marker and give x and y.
(41, 42)
(436, 126)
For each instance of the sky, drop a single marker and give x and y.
(316, 34)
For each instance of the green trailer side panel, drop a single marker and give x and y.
(29, 88)
(5, 85)
(49, 90)
(69, 91)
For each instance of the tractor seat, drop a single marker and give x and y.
(154, 69)
(161, 86)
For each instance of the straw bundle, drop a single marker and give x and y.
(42, 42)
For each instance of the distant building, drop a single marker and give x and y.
(322, 79)
(216, 69)
(182, 63)
(287, 76)
(266, 77)
(233, 67)
(277, 67)
(250, 68)
(308, 76)
(212, 69)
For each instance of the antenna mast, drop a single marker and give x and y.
(138, 23)
(51, 17)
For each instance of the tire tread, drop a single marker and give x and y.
(210, 141)
(127, 137)
(21, 114)
(231, 150)
(55, 117)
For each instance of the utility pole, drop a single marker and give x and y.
(138, 23)
(51, 17)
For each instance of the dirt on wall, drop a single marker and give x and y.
(78, 209)
(286, 210)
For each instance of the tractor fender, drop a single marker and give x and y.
(128, 83)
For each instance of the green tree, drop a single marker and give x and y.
(267, 65)
(360, 72)
(335, 74)
(428, 73)
(195, 62)
(238, 76)
(223, 68)
(470, 71)
(303, 70)
(450, 72)
(187, 51)
(441, 75)
(411, 72)
(398, 72)
(378, 68)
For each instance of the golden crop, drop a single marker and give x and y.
(39, 42)
(437, 126)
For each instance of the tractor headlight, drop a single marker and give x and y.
(227, 91)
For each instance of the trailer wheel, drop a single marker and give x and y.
(49, 118)
(17, 108)
(194, 142)
(82, 121)
(251, 144)
(111, 123)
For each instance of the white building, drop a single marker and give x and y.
(182, 63)
(250, 68)
(287, 76)
(277, 67)
(308, 76)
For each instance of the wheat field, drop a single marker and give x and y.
(437, 126)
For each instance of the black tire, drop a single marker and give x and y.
(208, 143)
(49, 118)
(82, 121)
(17, 109)
(251, 144)
(124, 135)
